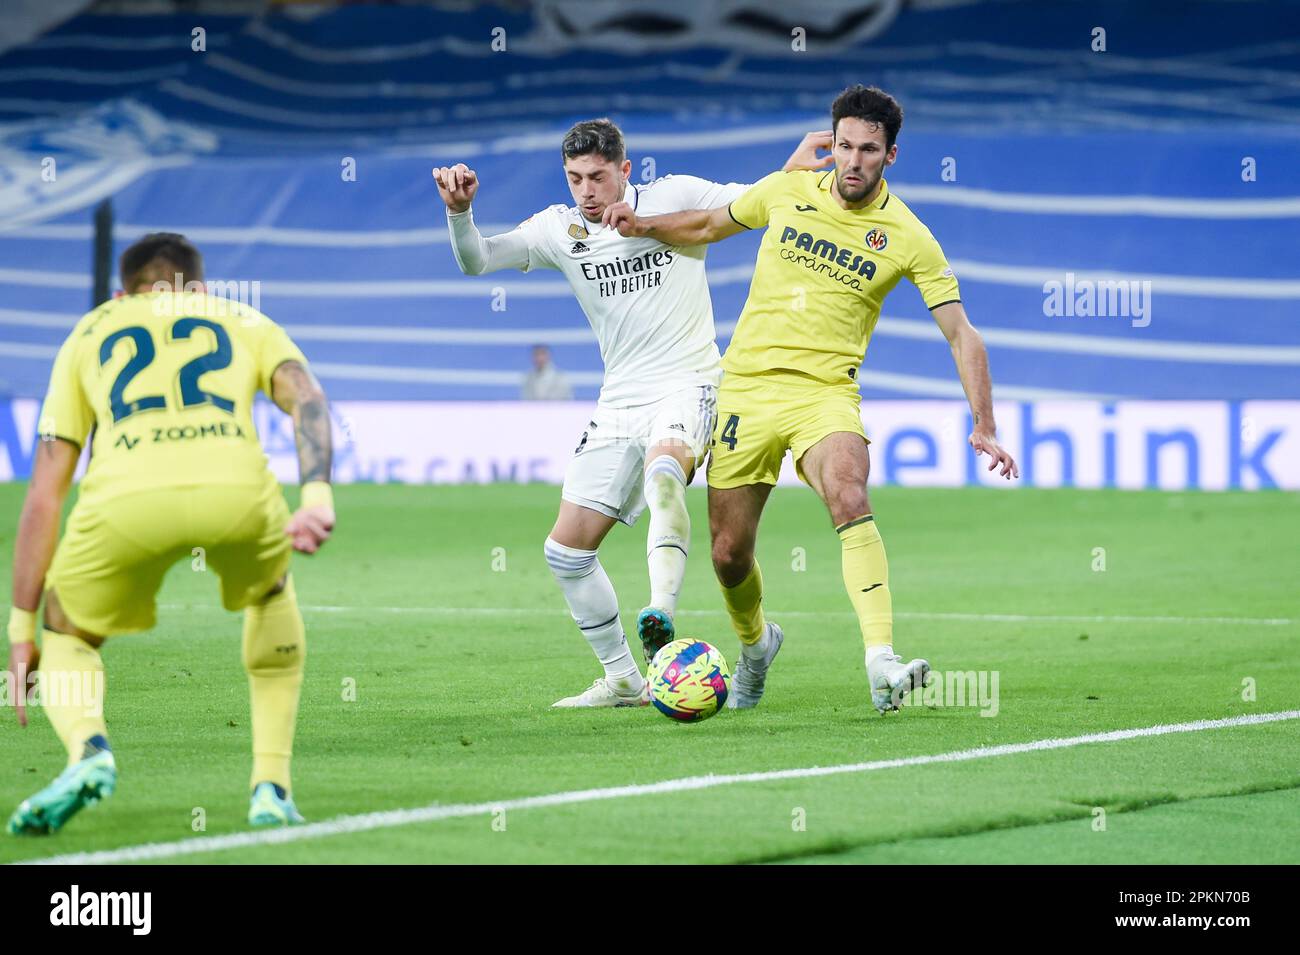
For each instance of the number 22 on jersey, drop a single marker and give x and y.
(188, 376)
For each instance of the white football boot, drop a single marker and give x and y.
(891, 680)
(601, 694)
(749, 677)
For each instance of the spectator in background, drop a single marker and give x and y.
(546, 382)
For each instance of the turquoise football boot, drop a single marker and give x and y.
(272, 806)
(80, 785)
(656, 630)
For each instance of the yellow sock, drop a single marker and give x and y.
(866, 577)
(275, 645)
(72, 690)
(745, 605)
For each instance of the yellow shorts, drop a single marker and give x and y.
(760, 417)
(115, 551)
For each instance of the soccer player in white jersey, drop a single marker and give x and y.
(649, 306)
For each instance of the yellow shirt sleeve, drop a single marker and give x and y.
(752, 207)
(275, 347)
(930, 272)
(66, 413)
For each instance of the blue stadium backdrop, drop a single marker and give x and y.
(295, 150)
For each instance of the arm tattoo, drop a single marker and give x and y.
(302, 397)
(311, 428)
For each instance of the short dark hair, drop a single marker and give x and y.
(160, 256)
(594, 136)
(870, 104)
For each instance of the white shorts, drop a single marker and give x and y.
(607, 469)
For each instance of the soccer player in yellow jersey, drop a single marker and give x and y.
(837, 242)
(161, 383)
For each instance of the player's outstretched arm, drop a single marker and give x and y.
(38, 533)
(692, 227)
(297, 392)
(972, 360)
(475, 253)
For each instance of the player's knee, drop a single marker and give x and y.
(731, 559)
(568, 561)
(59, 622)
(275, 640)
(848, 503)
(276, 588)
(665, 482)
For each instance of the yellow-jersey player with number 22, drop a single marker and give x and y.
(160, 382)
(837, 242)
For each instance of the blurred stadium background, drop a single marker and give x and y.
(293, 144)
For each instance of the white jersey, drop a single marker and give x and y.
(647, 302)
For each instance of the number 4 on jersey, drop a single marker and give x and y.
(728, 436)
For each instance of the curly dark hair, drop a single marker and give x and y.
(870, 104)
(160, 256)
(595, 136)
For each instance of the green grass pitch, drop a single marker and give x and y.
(435, 603)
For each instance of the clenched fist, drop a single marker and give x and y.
(457, 185)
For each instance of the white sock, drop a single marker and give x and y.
(757, 650)
(873, 652)
(594, 607)
(670, 530)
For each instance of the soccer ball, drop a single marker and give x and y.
(689, 680)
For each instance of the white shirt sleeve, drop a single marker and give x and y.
(521, 248)
(692, 192)
(714, 194)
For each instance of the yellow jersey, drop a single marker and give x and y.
(163, 383)
(822, 273)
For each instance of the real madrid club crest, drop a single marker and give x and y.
(577, 231)
(877, 239)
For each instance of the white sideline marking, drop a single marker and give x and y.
(406, 817)
(916, 615)
(906, 615)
